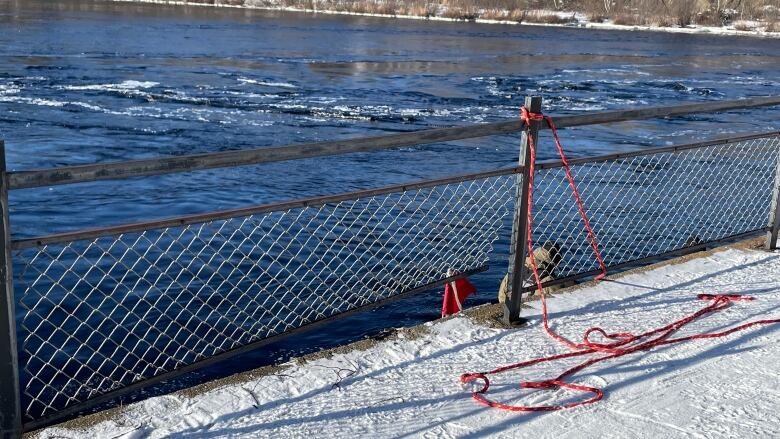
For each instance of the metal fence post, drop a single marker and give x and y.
(517, 251)
(10, 405)
(774, 212)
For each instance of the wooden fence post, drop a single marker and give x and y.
(517, 251)
(774, 212)
(10, 405)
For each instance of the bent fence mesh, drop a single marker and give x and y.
(101, 314)
(97, 315)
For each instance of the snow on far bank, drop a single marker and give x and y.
(726, 387)
(581, 19)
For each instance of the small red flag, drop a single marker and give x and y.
(454, 295)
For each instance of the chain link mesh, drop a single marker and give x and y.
(104, 313)
(98, 315)
(647, 205)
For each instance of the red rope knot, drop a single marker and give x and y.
(527, 116)
(469, 377)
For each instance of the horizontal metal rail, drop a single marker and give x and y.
(114, 394)
(187, 163)
(657, 150)
(252, 210)
(320, 200)
(167, 165)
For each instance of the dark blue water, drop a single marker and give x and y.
(84, 82)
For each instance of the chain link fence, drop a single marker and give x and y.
(104, 313)
(98, 314)
(647, 205)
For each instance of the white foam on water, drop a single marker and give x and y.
(324, 100)
(88, 106)
(266, 83)
(252, 95)
(208, 115)
(181, 96)
(492, 84)
(558, 82)
(124, 85)
(6, 89)
(32, 101)
(293, 106)
(585, 107)
(49, 102)
(247, 122)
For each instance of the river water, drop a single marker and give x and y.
(84, 82)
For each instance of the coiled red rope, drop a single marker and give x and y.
(623, 343)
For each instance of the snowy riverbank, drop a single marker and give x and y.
(578, 20)
(408, 386)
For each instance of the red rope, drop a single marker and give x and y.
(623, 343)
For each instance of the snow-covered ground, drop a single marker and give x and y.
(408, 387)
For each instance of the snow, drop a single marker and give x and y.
(408, 387)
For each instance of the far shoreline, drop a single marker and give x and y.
(690, 30)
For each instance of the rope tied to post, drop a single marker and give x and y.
(620, 343)
(528, 118)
